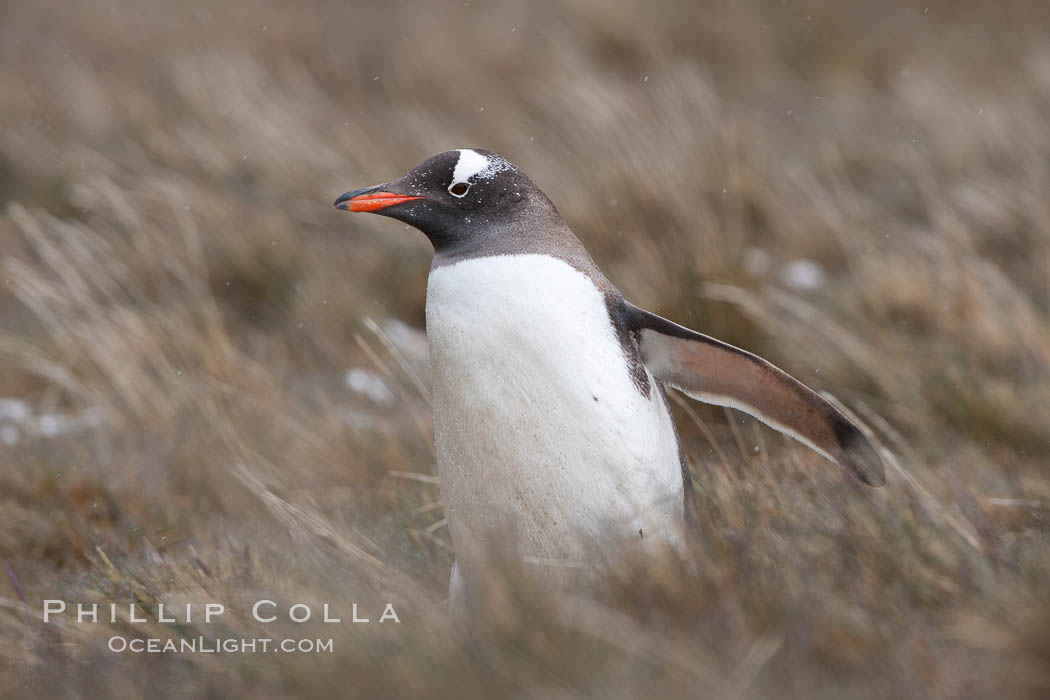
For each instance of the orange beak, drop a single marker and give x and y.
(370, 199)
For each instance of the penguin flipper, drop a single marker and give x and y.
(714, 372)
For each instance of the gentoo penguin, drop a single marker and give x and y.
(550, 418)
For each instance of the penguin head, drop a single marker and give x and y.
(453, 196)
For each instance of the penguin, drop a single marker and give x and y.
(551, 422)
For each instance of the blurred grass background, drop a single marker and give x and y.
(212, 383)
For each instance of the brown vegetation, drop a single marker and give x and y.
(179, 303)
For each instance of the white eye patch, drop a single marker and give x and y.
(472, 164)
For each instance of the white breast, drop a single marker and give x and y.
(541, 433)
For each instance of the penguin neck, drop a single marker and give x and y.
(540, 231)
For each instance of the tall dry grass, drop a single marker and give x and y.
(179, 297)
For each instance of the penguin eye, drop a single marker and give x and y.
(459, 189)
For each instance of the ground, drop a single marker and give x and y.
(213, 386)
